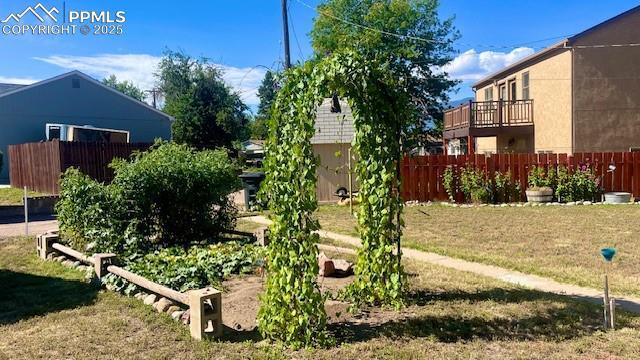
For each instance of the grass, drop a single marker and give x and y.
(13, 196)
(48, 311)
(562, 243)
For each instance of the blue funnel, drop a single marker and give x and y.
(608, 253)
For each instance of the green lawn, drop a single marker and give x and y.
(48, 311)
(13, 196)
(562, 243)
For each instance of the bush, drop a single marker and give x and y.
(449, 183)
(167, 196)
(505, 190)
(474, 185)
(581, 185)
(539, 177)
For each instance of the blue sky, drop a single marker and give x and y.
(244, 37)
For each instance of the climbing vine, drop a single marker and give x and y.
(292, 307)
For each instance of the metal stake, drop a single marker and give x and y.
(26, 213)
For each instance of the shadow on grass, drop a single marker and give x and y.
(555, 318)
(25, 295)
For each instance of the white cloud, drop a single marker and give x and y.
(472, 65)
(140, 69)
(15, 80)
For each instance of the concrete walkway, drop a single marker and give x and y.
(35, 228)
(513, 277)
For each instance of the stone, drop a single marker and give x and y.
(76, 263)
(51, 256)
(173, 308)
(326, 265)
(60, 258)
(150, 299)
(504, 205)
(571, 203)
(185, 317)
(140, 295)
(343, 267)
(162, 305)
(587, 203)
(177, 315)
(67, 263)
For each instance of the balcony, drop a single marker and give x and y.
(489, 118)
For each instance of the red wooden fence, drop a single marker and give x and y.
(38, 165)
(422, 175)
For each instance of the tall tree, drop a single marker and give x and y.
(125, 87)
(408, 33)
(208, 113)
(267, 94)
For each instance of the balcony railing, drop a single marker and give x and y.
(489, 114)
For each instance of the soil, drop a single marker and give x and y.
(240, 304)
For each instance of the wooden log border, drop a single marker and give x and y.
(205, 305)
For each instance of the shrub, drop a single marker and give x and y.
(474, 185)
(170, 195)
(449, 183)
(581, 185)
(505, 190)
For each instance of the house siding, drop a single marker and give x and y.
(607, 87)
(550, 90)
(23, 114)
(333, 128)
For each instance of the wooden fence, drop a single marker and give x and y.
(38, 165)
(422, 175)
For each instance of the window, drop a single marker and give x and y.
(525, 86)
(513, 95)
(488, 94)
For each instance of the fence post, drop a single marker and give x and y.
(205, 311)
(101, 263)
(44, 242)
(262, 236)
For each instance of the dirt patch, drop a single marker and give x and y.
(240, 302)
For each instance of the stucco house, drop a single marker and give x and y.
(581, 94)
(73, 98)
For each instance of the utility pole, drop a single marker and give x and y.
(155, 93)
(285, 27)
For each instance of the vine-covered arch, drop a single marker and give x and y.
(292, 307)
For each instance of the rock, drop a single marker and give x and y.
(587, 203)
(150, 299)
(110, 287)
(162, 305)
(67, 263)
(60, 258)
(571, 203)
(141, 295)
(185, 317)
(177, 315)
(326, 265)
(76, 263)
(172, 309)
(504, 205)
(51, 256)
(519, 205)
(343, 267)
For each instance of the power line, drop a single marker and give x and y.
(295, 35)
(401, 36)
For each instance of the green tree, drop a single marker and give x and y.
(267, 93)
(424, 43)
(208, 113)
(125, 87)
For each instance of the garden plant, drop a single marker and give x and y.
(292, 308)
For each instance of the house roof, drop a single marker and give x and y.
(560, 46)
(4, 87)
(20, 88)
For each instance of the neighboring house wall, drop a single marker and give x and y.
(23, 114)
(334, 132)
(607, 87)
(550, 90)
